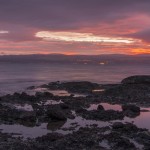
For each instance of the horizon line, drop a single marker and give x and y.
(73, 54)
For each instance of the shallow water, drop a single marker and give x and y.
(25, 132)
(66, 128)
(141, 121)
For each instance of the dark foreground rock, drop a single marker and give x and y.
(119, 143)
(58, 113)
(116, 136)
(119, 137)
(11, 116)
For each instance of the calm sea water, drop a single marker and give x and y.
(18, 76)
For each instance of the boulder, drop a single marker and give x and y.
(131, 107)
(55, 125)
(131, 111)
(100, 108)
(117, 125)
(56, 114)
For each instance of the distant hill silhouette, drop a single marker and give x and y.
(92, 59)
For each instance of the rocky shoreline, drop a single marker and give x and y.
(75, 116)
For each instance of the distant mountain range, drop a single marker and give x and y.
(88, 59)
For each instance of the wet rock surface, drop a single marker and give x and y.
(103, 115)
(79, 87)
(117, 138)
(66, 117)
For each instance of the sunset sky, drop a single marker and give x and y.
(74, 27)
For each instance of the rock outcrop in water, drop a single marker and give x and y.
(137, 80)
(73, 87)
(135, 89)
(131, 110)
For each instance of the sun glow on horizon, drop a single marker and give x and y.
(141, 51)
(82, 37)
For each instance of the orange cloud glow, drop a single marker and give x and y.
(140, 51)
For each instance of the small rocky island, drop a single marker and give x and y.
(78, 116)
